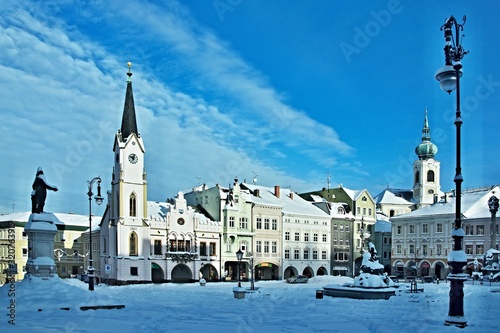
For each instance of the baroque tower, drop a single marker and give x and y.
(426, 170)
(125, 238)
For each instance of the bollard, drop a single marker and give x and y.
(319, 294)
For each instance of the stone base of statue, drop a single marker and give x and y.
(41, 229)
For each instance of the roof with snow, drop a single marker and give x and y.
(394, 197)
(73, 220)
(290, 205)
(158, 211)
(474, 205)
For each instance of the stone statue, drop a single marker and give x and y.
(39, 192)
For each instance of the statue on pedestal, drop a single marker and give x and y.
(39, 192)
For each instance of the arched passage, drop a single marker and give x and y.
(289, 272)
(181, 274)
(308, 272)
(267, 271)
(209, 272)
(322, 271)
(157, 275)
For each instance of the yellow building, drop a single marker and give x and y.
(69, 250)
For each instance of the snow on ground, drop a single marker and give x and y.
(276, 307)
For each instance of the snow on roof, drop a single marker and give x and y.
(297, 205)
(74, 220)
(157, 211)
(474, 205)
(353, 194)
(389, 197)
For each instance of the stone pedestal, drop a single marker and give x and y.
(41, 229)
(239, 292)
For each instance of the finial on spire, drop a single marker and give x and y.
(129, 73)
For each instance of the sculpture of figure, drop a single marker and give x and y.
(39, 192)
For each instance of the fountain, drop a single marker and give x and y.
(371, 283)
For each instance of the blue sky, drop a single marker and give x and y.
(287, 90)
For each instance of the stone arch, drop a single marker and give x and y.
(322, 271)
(157, 275)
(289, 272)
(308, 271)
(181, 274)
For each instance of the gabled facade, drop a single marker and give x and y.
(392, 202)
(362, 206)
(341, 235)
(267, 224)
(306, 236)
(233, 208)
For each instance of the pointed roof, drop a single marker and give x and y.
(129, 123)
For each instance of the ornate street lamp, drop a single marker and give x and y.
(449, 78)
(98, 200)
(239, 255)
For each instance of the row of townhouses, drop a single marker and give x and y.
(280, 233)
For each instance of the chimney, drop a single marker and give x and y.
(277, 191)
(291, 195)
(257, 192)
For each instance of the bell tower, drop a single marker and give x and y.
(426, 170)
(128, 217)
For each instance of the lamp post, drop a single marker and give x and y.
(239, 255)
(449, 78)
(98, 200)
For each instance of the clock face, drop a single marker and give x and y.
(133, 158)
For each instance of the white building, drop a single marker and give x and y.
(141, 241)
(421, 240)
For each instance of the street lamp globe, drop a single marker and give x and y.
(447, 77)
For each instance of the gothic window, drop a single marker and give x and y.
(133, 205)
(133, 244)
(430, 176)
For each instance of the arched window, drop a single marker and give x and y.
(133, 205)
(417, 177)
(391, 213)
(430, 176)
(133, 244)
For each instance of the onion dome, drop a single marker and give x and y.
(426, 149)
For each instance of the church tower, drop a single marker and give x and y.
(426, 170)
(127, 217)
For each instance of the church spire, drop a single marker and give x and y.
(426, 149)
(426, 132)
(129, 123)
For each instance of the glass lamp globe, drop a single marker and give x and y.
(447, 77)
